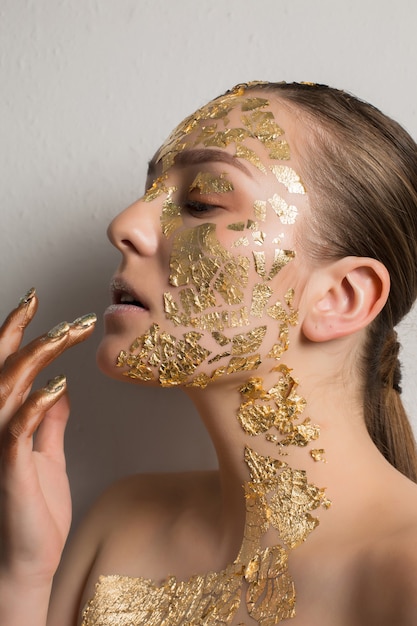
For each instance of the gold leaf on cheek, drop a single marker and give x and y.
(248, 342)
(171, 218)
(260, 296)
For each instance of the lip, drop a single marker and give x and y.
(120, 287)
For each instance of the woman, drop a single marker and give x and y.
(263, 271)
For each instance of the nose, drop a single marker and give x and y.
(136, 229)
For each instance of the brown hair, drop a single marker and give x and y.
(362, 170)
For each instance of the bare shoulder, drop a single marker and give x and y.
(384, 589)
(119, 533)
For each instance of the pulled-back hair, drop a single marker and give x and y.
(360, 168)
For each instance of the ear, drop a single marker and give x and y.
(344, 297)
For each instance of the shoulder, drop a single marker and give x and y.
(384, 583)
(120, 530)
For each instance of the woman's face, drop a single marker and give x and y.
(209, 273)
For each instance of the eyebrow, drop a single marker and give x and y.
(195, 157)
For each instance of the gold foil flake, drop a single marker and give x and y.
(242, 241)
(238, 226)
(243, 152)
(262, 469)
(248, 342)
(271, 595)
(317, 454)
(262, 125)
(218, 357)
(221, 339)
(301, 434)
(157, 188)
(196, 255)
(207, 183)
(289, 178)
(206, 132)
(174, 359)
(171, 218)
(291, 504)
(237, 319)
(281, 258)
(260, 296)
(260, 266)
(249, 104)
(243, 364)
(259, 207)
(231, 278)
(256, 418)
(251, 225)
(222, 139)
(259, 237)
(286, 213)
(280, 150)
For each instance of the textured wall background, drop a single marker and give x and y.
(89, 89)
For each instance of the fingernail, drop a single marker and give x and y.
(85, 321)
(58, 331)
(29, 295)
(55, 384)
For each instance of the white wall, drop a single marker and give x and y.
(89, 89)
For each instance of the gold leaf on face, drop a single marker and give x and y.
(289, 178)
(243, 152)
(157, 188)
(238, 226)
(259, 207)
(171, 218)
(207, 183)
(286, 213)
(248, 342)
(280, 150)
(260, 296)
(262, 125)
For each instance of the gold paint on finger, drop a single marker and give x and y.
(55, 385)
(29, 295)
(85, 321)
(58, 331)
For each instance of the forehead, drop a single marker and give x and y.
(241, 123)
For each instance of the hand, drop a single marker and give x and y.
(34, 492)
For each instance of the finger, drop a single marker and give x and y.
(11, 331)
(21, 368)
(49, 438)
(18, 437)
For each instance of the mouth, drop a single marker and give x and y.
(123, 294)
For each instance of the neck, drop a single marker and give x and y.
(321, 442)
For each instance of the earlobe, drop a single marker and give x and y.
(345, 297)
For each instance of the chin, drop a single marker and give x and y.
(106, 358)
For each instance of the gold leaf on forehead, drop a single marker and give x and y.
(259, 237)
(287, 213)
(260, 296)
(207, 183)
(222, 139)
(289, 178)
(249, 104)
(248, 342)
(242, 152)
(262, 125)
(157, 188)
(281, 258)
(205, 133)
(259, 207)
(238, 226)
(260, 266)
(280, 150)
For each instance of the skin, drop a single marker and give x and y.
(149, 526)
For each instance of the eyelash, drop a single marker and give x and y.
(194, 207)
